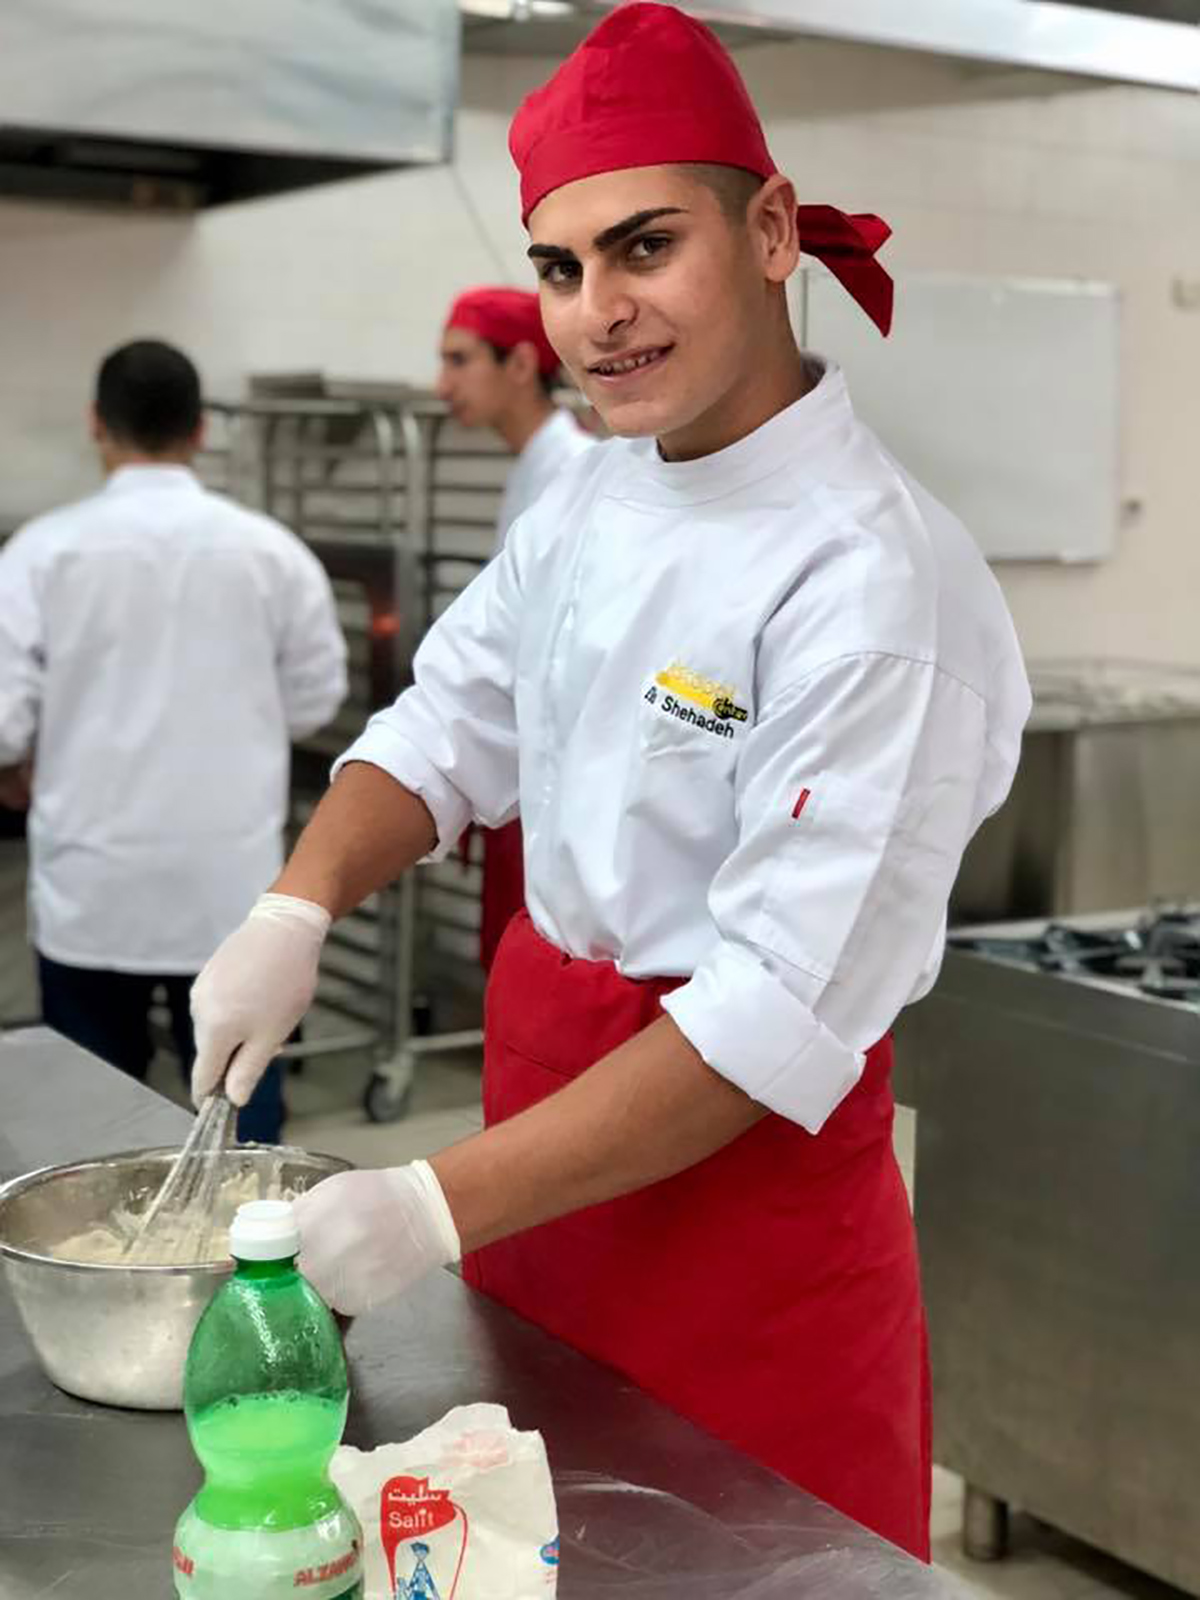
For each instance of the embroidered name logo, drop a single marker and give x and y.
(711, 695)
(683, 693)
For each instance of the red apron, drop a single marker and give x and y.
(503, 887)
(770, 1293)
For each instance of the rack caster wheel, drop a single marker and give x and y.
(386, 1099)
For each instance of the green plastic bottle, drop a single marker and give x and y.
(265, 1394)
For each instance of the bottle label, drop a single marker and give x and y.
(316, 1578)
(320, 1562)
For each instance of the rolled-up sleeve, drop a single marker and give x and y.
(452, 737)
(857, 791)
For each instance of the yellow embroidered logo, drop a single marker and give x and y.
(677, 690)
(719, 698)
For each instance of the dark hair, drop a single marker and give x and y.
(148, 395)
(548, 380)
(733, 187)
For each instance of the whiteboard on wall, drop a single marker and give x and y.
(1001, 396)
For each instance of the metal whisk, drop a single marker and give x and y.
(179, 1224)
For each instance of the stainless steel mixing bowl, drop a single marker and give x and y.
(115, 1333)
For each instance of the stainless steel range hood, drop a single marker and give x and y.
(1131, 41)
(170, 103)
(1047, 34)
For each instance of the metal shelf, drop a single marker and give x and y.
(388, 493)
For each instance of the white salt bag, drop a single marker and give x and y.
(465, 1511)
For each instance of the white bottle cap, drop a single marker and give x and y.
(264, 1230)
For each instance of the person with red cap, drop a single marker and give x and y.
(754, 689)
(498, 371)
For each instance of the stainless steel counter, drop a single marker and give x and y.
(650, 1508)
(1057, 1194)
(1100, 813)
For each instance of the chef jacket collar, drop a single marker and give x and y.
(152, 476)
(798, 438)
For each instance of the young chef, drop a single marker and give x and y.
(158, 645)
(498, 369)
(754, 690)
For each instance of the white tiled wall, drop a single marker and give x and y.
(979, 170)
(989, 171)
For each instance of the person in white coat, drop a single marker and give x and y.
(498, 371)
(159, 648)
(752, 689)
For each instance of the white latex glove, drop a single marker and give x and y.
(368, 1236)
(253, 991)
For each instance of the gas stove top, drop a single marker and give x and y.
(1156, 952)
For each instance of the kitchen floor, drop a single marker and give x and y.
(325, 1114)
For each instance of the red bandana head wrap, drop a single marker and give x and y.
(651, 86)
(505, 317)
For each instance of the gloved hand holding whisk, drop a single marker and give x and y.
(253, 992)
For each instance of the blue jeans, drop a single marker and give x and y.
(108, 1013)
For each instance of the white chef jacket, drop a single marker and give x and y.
(559, 440)
(158, 645)
(753, 707)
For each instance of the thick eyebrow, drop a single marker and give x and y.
(549, 252)
(609, 237)
(639, 219)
